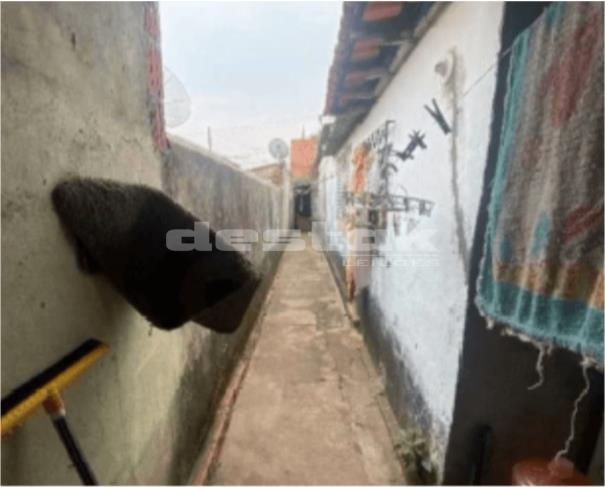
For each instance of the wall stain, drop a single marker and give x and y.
(451, 90)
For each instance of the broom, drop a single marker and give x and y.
(45, 390)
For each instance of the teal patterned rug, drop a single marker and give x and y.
(542, 269)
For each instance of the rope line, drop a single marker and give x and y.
(539, 367)
(572, 433)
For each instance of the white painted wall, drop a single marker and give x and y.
(424, 307)
(331, 182)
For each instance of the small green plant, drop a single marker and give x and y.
(413, 450)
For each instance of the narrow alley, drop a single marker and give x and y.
(308, 411)
(436, 170)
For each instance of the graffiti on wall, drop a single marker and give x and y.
(371, 191)
(371, 195)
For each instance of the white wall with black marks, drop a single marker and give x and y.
(419, 281)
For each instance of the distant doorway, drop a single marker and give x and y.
(302, 207)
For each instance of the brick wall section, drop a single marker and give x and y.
(303, 153)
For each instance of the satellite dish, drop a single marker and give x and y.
(278, 149)
(177, 104)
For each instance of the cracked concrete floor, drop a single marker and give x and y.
(308, 409)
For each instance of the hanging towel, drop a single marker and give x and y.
(542, 269)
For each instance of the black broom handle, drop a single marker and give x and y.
(73, 450)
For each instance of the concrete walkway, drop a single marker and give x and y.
(307, 411)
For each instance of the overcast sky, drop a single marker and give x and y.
(253, 70)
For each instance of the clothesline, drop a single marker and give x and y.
(488, 70)
(502, 55)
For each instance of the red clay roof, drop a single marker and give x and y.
(376, 11)
(373, 41)
(369, 38)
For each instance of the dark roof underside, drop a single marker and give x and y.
(373, 39)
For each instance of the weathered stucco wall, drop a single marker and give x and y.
(413, 315)
(76, 101)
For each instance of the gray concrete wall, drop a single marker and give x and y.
(76, 101)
